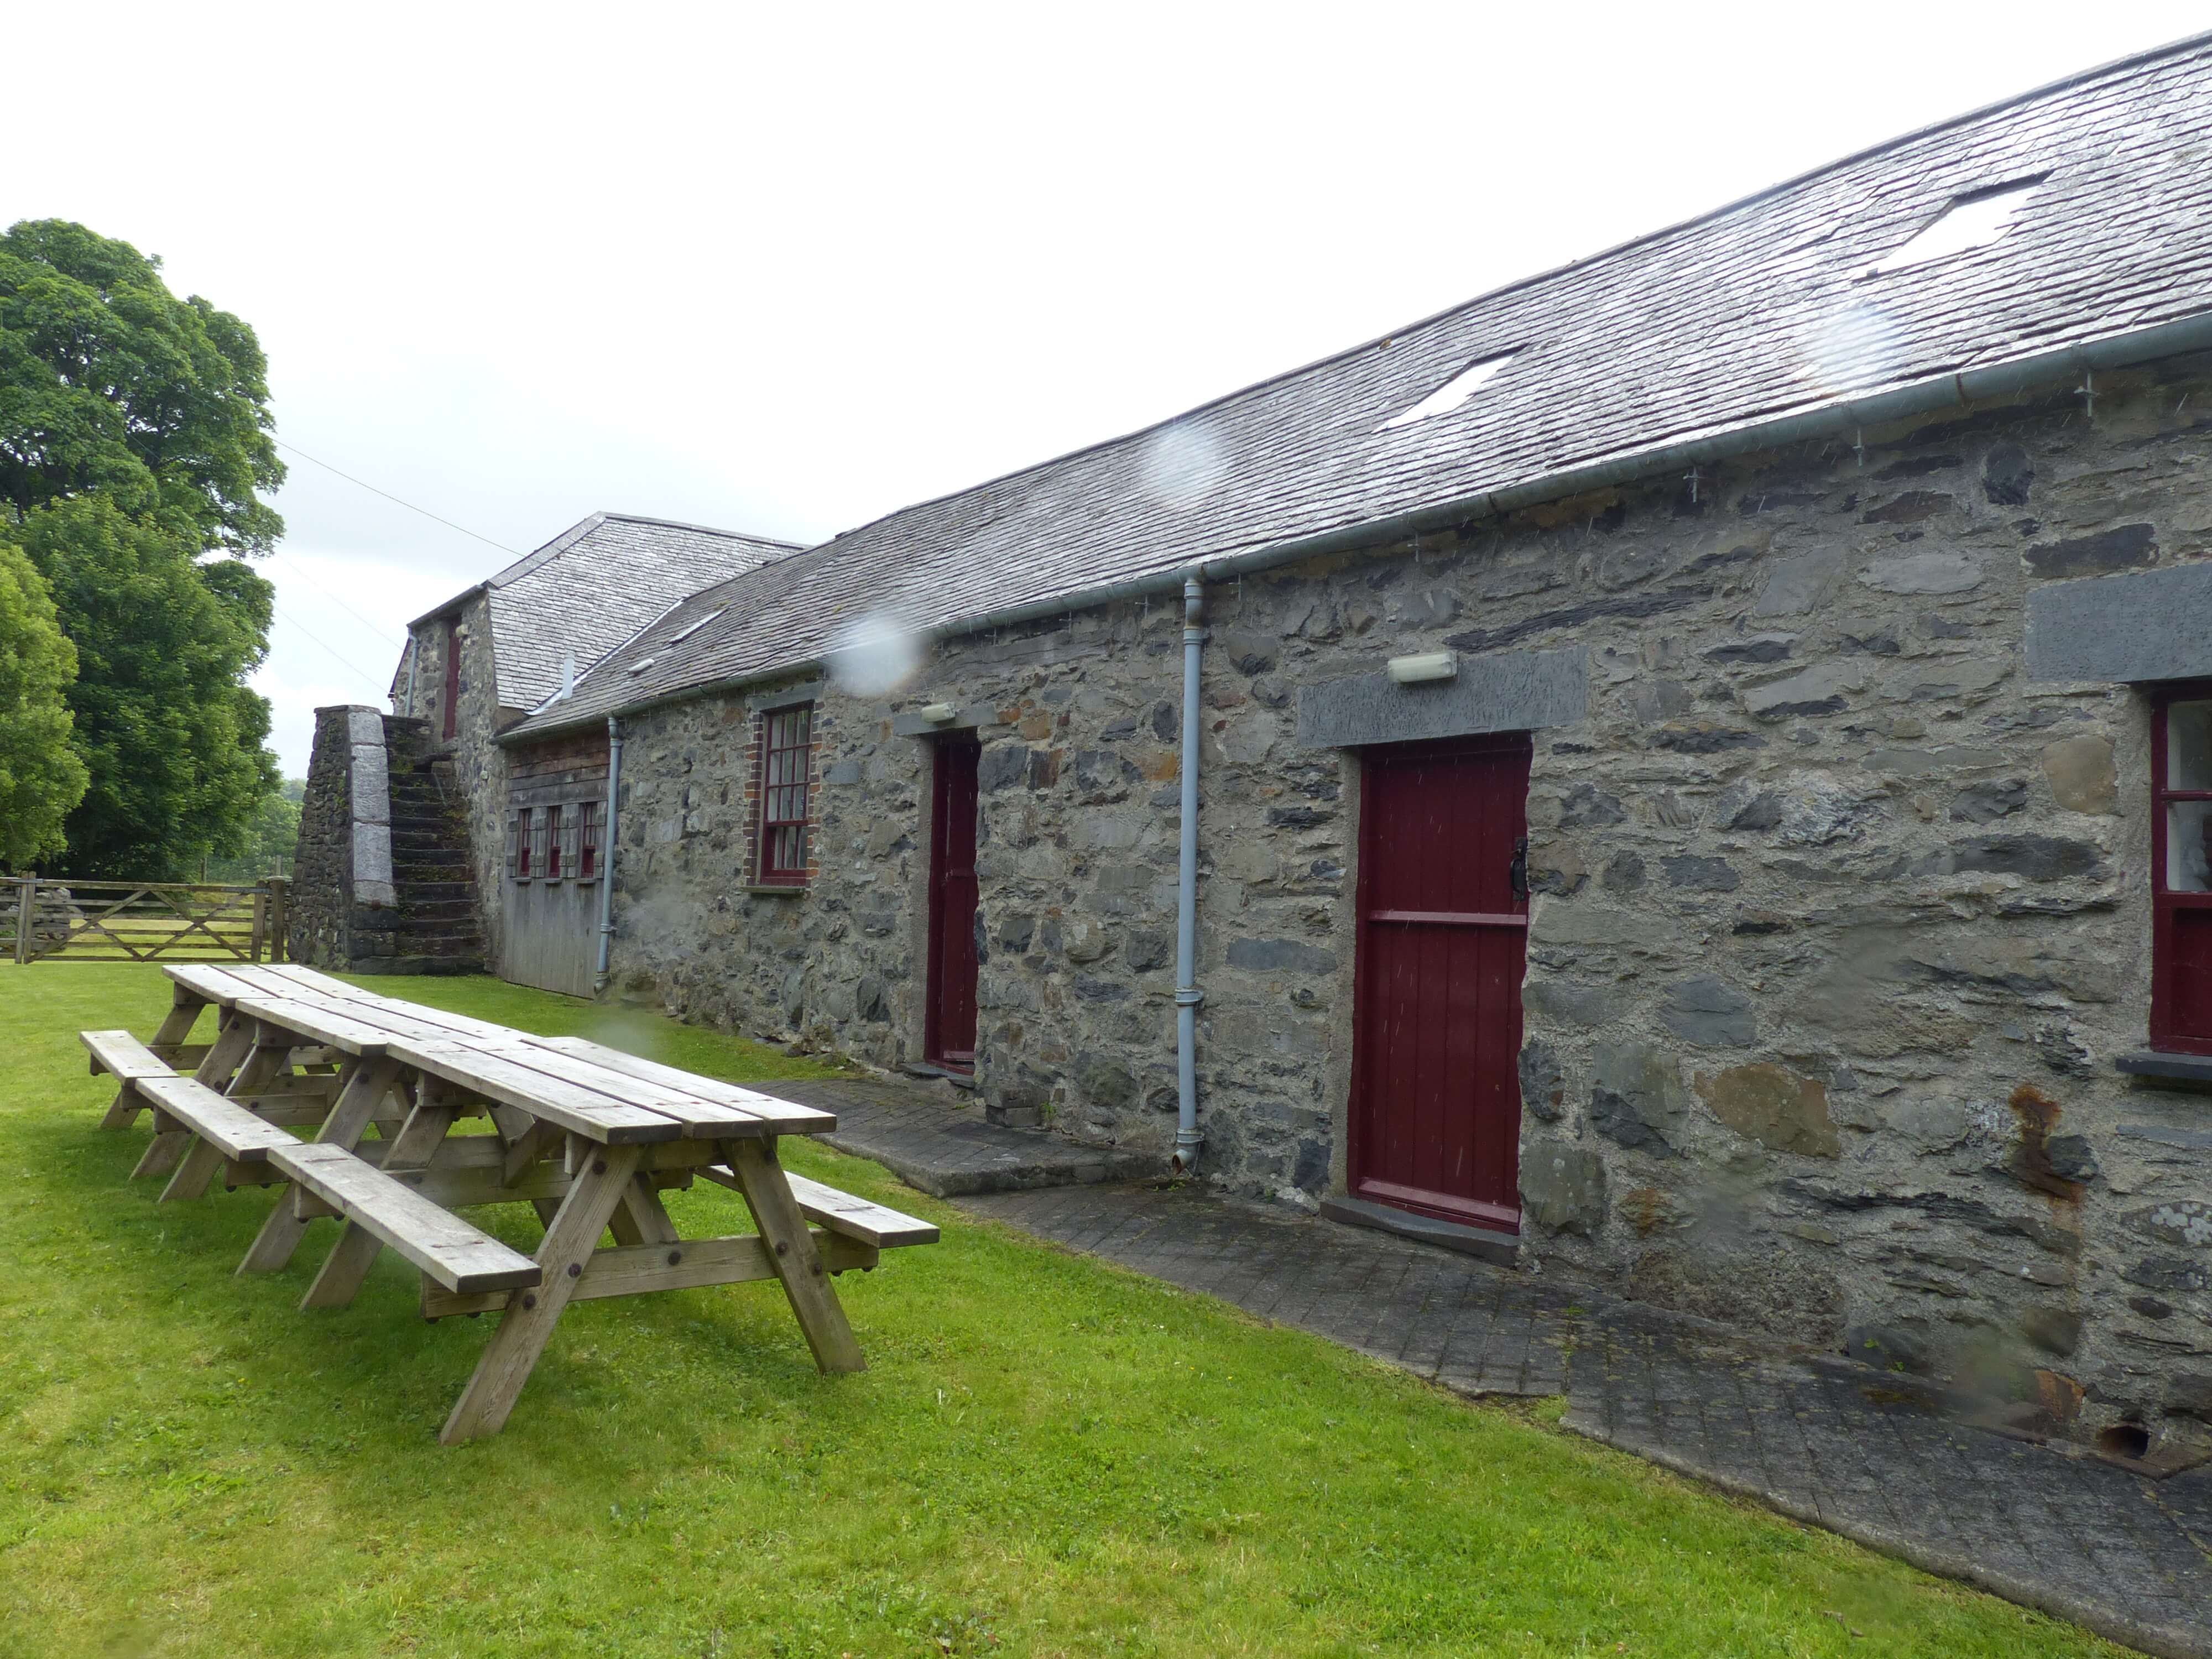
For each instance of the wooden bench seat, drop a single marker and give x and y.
(240, 1135)
(439, 1243)
(122, 1055)
(857, 1219)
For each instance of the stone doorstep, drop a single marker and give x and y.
(1489, 1243)
(946, 1150)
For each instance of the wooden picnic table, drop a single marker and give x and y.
(588, 1135)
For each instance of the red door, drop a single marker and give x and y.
(1444, 920)
(950, 1034)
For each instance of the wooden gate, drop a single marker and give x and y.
(949, 1038)
(1436, 1102)
(43, 918)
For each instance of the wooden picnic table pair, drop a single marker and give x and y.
(587, 1135)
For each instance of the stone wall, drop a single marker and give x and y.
(479, 764)
(342, 900)
(1839, 923)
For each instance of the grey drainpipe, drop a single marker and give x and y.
(607, 855)
(1187, 995)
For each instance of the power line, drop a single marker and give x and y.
(389, 496)
(294, 622)
(371, 627)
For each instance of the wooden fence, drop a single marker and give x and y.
(43, 918)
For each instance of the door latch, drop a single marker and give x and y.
(1516, 873)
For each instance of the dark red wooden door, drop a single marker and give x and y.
(2181, 871)
(1435, 1100)
(950, 1036)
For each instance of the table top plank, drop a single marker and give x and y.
(606, 1090)
(580, 1111)
(699, 1117)
(306, 1019)
(218, 985)
(789, 1117)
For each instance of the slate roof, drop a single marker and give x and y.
(1758, 310)
(594, 585)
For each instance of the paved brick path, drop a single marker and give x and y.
(937, 1140)
(1829, 1444)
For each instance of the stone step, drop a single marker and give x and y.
(436, 893)
(418, 964)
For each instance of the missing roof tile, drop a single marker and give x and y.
(1452, 393)
(1974, 220)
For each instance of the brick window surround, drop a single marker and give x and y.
(2181, 868)
(784, 770)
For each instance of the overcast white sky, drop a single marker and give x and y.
(782, 269)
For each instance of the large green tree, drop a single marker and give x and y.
(135, 438)
(110, 383)
(174, 739)
(40, 777)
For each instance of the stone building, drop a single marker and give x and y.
(479, 662)
(1694, 768)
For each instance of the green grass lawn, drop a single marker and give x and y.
(1047, 1456)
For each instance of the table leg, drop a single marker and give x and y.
(528, 1322)
(355, 1252)
(270, 1056)
(176, 1025)
(361, 1091)
(798, 1263)
(230, 1048)
(640, 1218)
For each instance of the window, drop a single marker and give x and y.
(554, 862)
(1452, 393)
(1971, 220)
(2181, 870)
(785, 737)
(587, 840)
(522, 843)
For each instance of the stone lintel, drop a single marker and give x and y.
(1505, 691)
(2132, 630)
(972, 717)
(811, 691)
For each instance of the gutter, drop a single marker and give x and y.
(1958, 390)
(607, 855)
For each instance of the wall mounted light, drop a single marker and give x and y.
(1429, 666)
(937, 714)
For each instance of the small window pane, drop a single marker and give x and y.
(2188, 746)
(2188, 847)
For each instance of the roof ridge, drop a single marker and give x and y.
(709, 529)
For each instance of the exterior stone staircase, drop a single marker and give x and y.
(437, 929)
